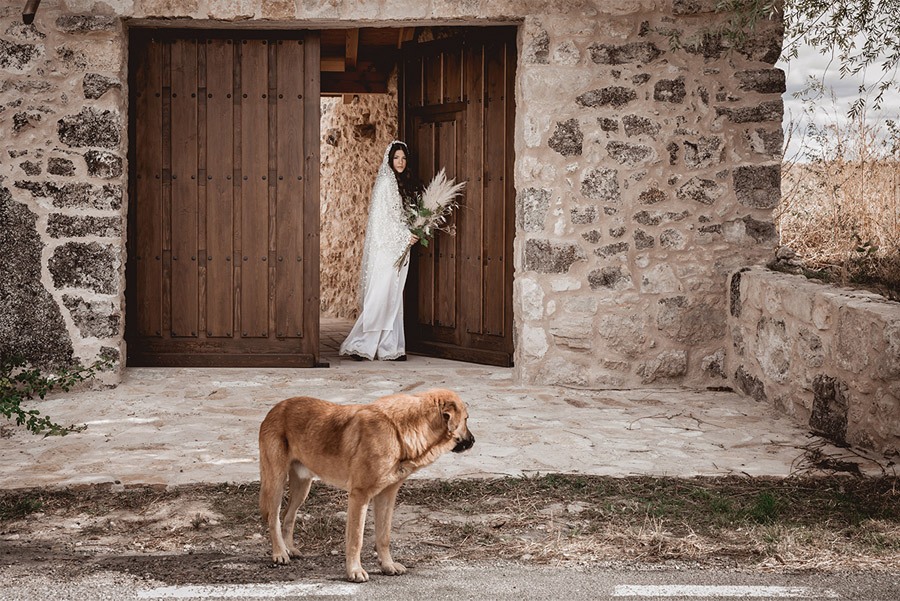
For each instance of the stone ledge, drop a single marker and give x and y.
(828, 356)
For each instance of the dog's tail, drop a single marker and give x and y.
(273, 467)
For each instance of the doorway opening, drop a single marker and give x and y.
(449, 93)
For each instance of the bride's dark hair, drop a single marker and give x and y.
(408, 184)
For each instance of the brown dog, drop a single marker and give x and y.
(368, 450)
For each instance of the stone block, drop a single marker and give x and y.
(545, 256)
(601, 184)
(636, 52)
(705, 152)
(607, 124)
(714, 364)
(614, 96)
(612, 278)
(758, 186)
(625, 334)
(698, 189)
(85, 23)
(760, 231)
(80, 226)
(643, 240)
(531, 299)
(567, 139)
(98, 319)
(583, 215)
(533, 204)
(573, 330)
(593, 236)
(648, 218)
(95, 85)
(91, 127)
(31, 324)
(769, 142)
(672, 240)
(771, 110)
(635, 125)
(60, 166)
(773, 349)
(611, 250)
(536, 45)
(80, 195)
(31, 167)
(103, 164)
(18, 57)
(90, 266)
(830, 408)
(670, 90)
(534, 341)
(764, 81)
(630, 154)
(750, 384)
(651, 196)
(660, 279)
(668, 365)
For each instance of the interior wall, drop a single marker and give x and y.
(355, 135)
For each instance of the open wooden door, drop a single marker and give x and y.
(457, 110)
(223, 244)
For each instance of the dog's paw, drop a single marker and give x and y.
(281, 558)
(357, 575)
(292, 551)
(393, 569)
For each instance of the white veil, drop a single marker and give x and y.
(386, 231)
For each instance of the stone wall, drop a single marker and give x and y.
(828, 356)
(644, 174)
(643, 179)
(354, 137)
(62, 213)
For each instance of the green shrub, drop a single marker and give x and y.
(20, 382)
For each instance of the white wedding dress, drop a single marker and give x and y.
(378, 332)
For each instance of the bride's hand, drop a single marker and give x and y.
(413, 239)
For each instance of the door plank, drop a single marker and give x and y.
(311, 214)
(424, 141)
(289, 293)
(148, 201)
(495, 190)
(254, 251)
(220, 188)
(445, 244)
(184, 198)
(472, 216)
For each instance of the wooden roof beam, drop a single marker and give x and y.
(352, 49)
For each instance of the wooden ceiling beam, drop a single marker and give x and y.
(352, 49)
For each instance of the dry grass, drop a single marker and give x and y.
(840, 208)
(824, 522)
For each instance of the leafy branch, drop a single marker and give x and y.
(21, 382)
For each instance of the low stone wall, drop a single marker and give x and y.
(828, 356)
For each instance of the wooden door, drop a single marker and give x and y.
(223, 244)
(458, 112)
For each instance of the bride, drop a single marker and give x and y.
(378, 332)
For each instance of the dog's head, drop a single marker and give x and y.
(455, 416)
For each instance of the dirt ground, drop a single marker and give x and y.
(213, 534)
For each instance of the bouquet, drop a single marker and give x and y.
(430, 213)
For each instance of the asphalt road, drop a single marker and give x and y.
(456, 581)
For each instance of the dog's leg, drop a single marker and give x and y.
(272, 474)
(300, 481)
(356, 523)
(384, 514)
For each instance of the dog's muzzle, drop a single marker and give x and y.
(464, 444)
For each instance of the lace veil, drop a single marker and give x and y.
(386, 231)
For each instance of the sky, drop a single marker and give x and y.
(811, 62)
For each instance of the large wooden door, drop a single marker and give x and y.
(458, 112)
(223, 245)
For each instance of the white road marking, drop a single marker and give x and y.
(690, 590)
(237, 591)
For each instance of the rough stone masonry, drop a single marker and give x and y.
(645, 174)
